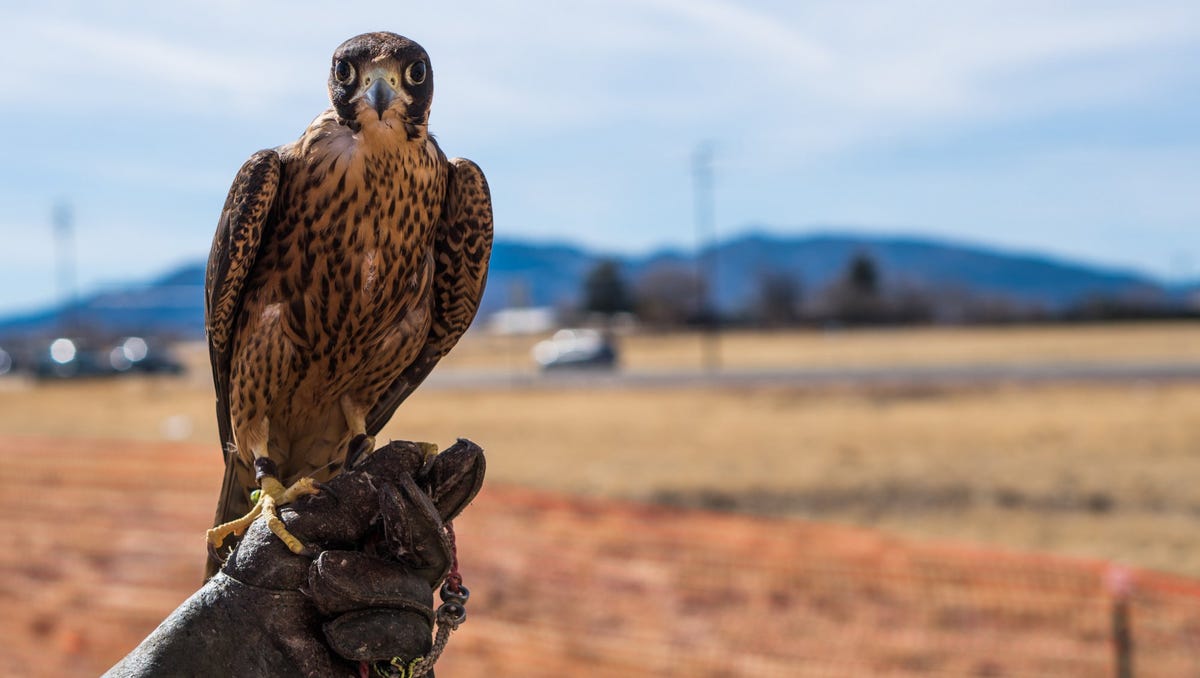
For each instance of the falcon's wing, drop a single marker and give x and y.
(462, 247)
(245, 220)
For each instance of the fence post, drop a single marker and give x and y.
(1120, 585)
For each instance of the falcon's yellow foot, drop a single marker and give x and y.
(273, 495)
(217, 535)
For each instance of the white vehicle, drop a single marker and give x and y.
(576, 348)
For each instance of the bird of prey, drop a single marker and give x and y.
(344, 266)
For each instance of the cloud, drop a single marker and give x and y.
(850, 71)
(585, 113)
(104, 68)
(888, 70)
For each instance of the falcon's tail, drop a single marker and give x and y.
(234, 500)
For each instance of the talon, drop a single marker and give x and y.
(359, 448)
(215, 555)
(429, 454)
(326, 490)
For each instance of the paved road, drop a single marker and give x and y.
(936, 375)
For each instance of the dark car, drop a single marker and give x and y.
(135, 354)
(67, 358)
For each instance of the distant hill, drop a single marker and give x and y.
(553, 275)
(541, 274)
(535, 274)
(171, 305)
(1027, 279)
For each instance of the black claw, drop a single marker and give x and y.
(310, 552)
(215, 555)
(357, 449)
(327, 490)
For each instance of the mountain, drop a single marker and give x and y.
(539, 274)
(171, 305)
(818, 260)
(553, 275)
(533, 274)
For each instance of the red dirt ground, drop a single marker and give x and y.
(102, 539)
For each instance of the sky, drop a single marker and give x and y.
(1053, 126)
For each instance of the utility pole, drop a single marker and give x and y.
(63, 220)
(706, 261)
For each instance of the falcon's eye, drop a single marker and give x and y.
(416, 72)
(344, 71)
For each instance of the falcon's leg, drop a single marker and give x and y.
(272, 495)
(251, 438)
(360, 443)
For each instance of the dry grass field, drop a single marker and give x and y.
(109, 485)
(104, 538)
(1129, 343)
(1098, 469)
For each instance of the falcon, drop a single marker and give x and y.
(344, 266)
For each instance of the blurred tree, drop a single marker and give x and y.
(909, 303)
(668, 295)
(605, 291)
(779, 298)
(862, 276)
(856, 296)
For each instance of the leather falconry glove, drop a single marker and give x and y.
(364, 605)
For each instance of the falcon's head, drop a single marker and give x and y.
(382, 79)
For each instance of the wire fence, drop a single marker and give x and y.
(573, 587)
(102, 540)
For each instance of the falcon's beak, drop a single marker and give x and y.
(380, 95)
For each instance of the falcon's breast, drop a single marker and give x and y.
(349, 266)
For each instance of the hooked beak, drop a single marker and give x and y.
(379, 96)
